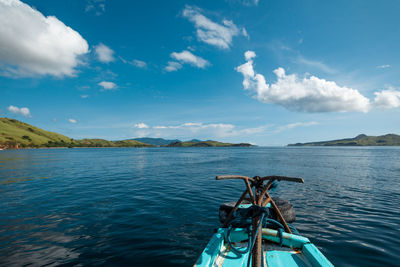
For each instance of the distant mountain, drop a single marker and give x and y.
(156, 141)
(208, 143)
(360, 140)
(17, 134)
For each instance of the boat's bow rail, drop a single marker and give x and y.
(271, 177)
(260, 199)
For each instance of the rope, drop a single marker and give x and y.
(280, 233)
(255, 236)
(243, 219)
(236, 250)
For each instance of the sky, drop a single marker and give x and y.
(259, 71)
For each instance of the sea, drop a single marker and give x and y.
(159, 206)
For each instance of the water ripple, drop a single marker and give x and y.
(150, 206)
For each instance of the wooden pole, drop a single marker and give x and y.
(257, 250)
(246, 181)
(229, 217)
(279, 213)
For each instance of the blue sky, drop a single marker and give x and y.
(265, 72)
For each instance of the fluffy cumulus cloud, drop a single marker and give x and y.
(73, 121)
(219, 35)
(107, 85)
(33, 44)
(249, 55)
(19, 111)
(387, 99)
(141, 125)
(186, 57)
(309, 94)
(104, 53)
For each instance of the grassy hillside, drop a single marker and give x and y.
(208, 143)
(14, 133)
(360, 140)
(17, 134)
(106, 143)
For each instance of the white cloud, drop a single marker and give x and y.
(20, 111)
(72, 121)
(314, 64)
(191, 130)
(107, 85)
(141, 125)
(139, 64)
(249, 2)
(387, 99)
(308, 94)
(294, 125)
(383, 66)
(219, 35)
(173, 66)
(249, 55)
(194, 129)
(245, 34)
(205, 131)
(104, 53)
(96, 6)
(32, 44)
(187, 57)
(84, 96)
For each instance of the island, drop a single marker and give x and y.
(359, 140)
(208, 143)
(15, 134)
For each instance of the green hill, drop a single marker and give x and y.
(105, 143)
(14, 132)
(156, 141)
(360, 140)
(209, 143)
(17, 134)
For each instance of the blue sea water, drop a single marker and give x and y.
(159, 206)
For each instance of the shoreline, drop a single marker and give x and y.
(24, 148)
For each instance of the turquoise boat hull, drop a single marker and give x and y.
(296, 250)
